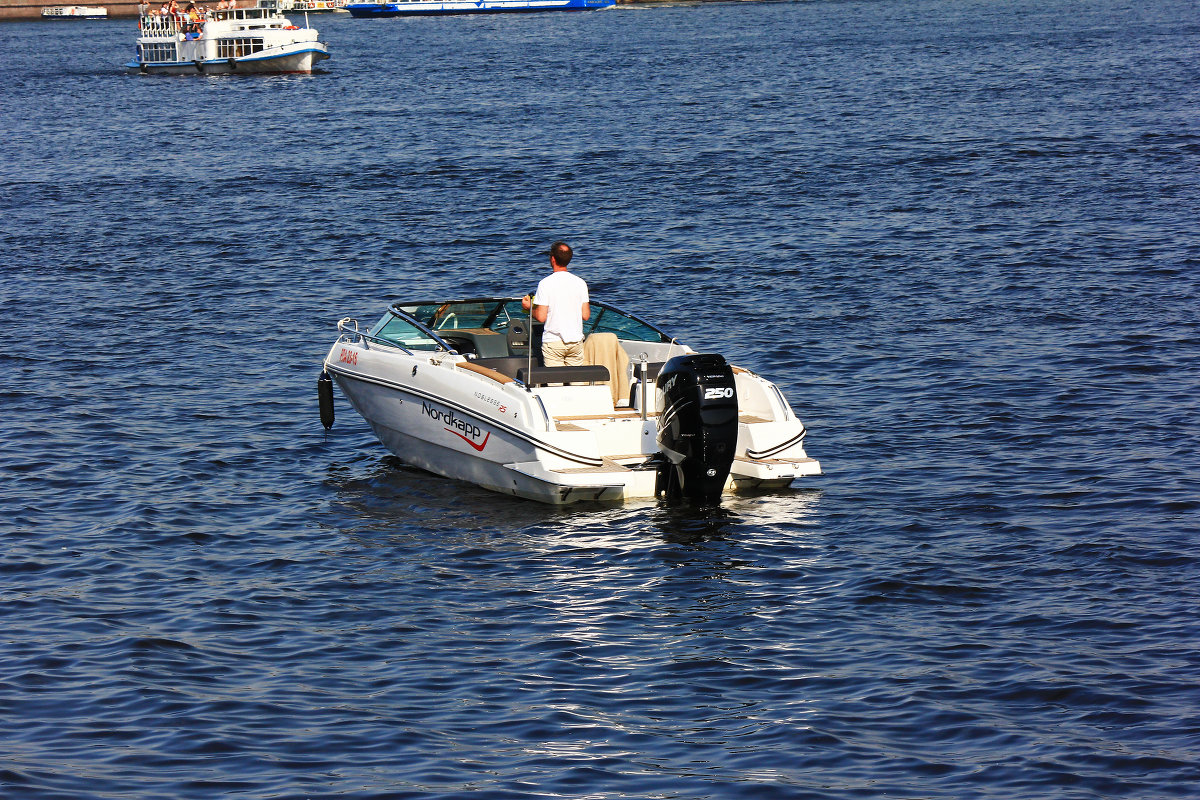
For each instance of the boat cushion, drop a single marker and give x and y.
(540, 376)
(508, 365)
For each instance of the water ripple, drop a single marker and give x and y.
(960, 236)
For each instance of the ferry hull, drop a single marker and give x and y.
(275, 65)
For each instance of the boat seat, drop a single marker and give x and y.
(507, 365)
(635, 387)
(518, 337)
(652, 369)
(540, 376)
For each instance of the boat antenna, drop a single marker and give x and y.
(529, 341)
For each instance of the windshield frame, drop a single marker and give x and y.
(407, 309)
(393, 312)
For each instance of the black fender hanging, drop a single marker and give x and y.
(325, 399)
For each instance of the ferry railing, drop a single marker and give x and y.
(158, 25)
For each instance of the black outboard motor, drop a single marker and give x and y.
(697, 428)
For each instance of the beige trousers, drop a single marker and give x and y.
(561, 354)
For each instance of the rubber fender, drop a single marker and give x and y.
(325, 399)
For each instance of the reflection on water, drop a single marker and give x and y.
(927, 222)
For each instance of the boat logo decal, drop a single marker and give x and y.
(491, 401)
(463, 429)
(479, 446)
(348, 357)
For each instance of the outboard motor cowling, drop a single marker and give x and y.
(697, 428)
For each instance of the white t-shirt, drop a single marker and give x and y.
(565, 294)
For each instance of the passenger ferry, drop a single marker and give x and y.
(304, 6)
(235, 40)
(75, 12)
(416, 8)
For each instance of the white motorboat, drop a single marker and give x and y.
(456, 388)
(74, 12)
(235, 40)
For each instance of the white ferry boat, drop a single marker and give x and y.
(236, 40)
(74, 12)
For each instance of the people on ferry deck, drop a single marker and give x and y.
(561, 302)
(192, 15)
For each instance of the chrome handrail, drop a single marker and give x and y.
(423, 328)
(356, 334)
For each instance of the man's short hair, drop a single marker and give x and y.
(562, 253)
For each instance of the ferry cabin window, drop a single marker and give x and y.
(402, 332)
(159, 51)
(236, 48)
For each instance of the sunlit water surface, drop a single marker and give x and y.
(961, 236)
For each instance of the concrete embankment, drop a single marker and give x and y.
(23, 9)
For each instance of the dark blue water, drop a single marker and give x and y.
(962, 236)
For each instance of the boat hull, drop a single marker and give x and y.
(290, 63)
(425, 8)
(416, 421)
(419, 425)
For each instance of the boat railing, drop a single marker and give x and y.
(352, 333)
(158, 25)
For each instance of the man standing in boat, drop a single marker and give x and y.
(561, 303)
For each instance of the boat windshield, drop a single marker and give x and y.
(496, 314)
(398, 330)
